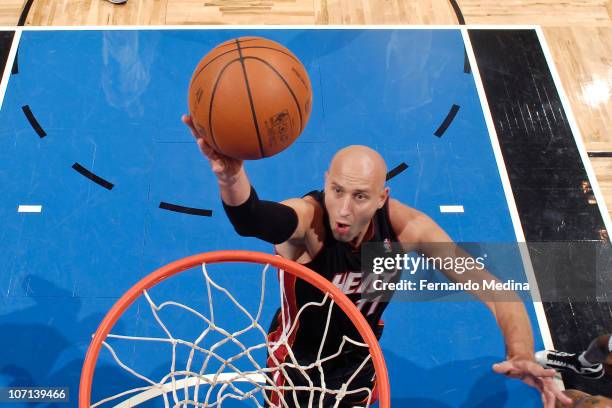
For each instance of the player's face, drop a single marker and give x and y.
(351, 203)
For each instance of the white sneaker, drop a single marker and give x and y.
(561, 361)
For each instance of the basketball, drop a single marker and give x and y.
(250, 98)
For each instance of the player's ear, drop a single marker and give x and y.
(383, 197)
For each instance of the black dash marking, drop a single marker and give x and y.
(96, 179)
(24, 13)
(600, 154)
(185, 210)
(35, 125)
(449, 119)
(466, 62)
(397, 170)
(458, 12)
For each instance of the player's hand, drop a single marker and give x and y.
(536, 376)
(225, 168)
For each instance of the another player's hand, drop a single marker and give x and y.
(536, 376)
(225, 168)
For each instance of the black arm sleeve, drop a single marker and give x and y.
(273, 222)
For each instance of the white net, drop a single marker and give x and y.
(210, 376)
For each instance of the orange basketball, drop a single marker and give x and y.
(250, 98)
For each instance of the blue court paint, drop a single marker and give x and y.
(112, 100)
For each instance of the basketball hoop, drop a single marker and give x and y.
(259, 379)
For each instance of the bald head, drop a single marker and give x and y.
(360, 163)
(354, 191)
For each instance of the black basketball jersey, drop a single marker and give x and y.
(340, 263)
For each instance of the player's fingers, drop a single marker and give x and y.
(535, 369)
(219, 162)
(218, 166)
(532, 381)
(545, 400)
(505, 367)
(500, 368)
(208, 150)
(559, 394)
(565, 401)
(527, 366)
(204, 148)
(548, 372)
(553, 393)
(186, 120)
(189, 122)
(548, 399)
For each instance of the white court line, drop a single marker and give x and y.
(516, 221)
(271, 27)
(9, 63)
(601, 203)
(451, 209)
(29, 208)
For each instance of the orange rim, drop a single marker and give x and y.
(89, 365)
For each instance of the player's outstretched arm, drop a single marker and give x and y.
(412, 226)
(434, 242)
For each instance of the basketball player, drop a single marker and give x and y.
(324, 230)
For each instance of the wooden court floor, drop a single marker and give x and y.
(579, 33)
